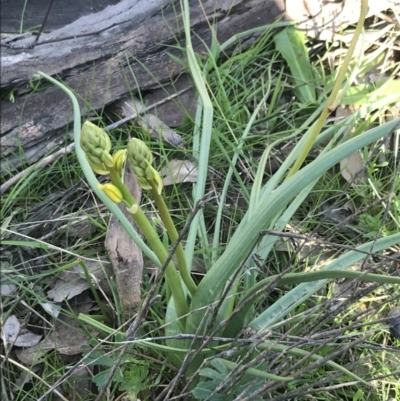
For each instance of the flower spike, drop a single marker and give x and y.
(96, 145)
(141, 159)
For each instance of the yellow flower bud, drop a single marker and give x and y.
(96, 145)
(139, 151)
(152, 177)
(141, 159)
(143, 183)
(119, 158)
(111, 191)
(99, 169)
(107, 159)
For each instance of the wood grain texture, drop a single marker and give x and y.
(63, 12)
(109, 54)
(121, 45)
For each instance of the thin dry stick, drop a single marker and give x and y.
(327, 243)
(34, 43)
(146, 109)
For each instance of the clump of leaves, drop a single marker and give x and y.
(131, 376)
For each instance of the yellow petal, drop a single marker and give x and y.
(119, 158)
(111, 191)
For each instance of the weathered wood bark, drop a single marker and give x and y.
(123, 47)
(32, 12)
(109, 54)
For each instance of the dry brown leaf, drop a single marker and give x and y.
(7, 289)
(351, 168)
(65, 290)
(24, 378)
(67, 337)
(12, 333)
(177, 171)
(50, 308)
(73, 282)
(126, 257)
(148, 122)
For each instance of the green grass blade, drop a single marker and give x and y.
(205, 137)
(291, 44)
(255, 372)
(303, 291)
(30, 244)
(270, 205)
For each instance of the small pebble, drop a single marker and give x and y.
(393, 319)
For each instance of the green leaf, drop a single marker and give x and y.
(30, 244)
(134, 379)
(95, 357)
(219, 372)
(361, 94)
(95, 324)
(358, 395)
(100, 379)
(291, 44)
(206, 389)
(247, 234)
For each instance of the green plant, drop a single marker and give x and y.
(131, 376)
(188, 312)
(217, 373)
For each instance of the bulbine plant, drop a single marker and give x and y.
(96, 146)
(230, 286)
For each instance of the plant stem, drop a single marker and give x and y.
(156, 245)
(173, 235)
(330, 104)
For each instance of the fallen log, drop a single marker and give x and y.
(103, 57)
(112, 53)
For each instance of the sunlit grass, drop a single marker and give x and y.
(236, 86)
